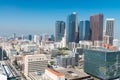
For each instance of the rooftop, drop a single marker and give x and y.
(103, 49)
(71, 73)
(54, 72)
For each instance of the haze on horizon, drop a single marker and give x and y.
(39, 16)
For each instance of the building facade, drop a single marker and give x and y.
(72, 27)
(109, 31)
(68, 60)
(37, 39)
(30, 37)
(84, 30)
(102, 63)
(35, 63)
(96, 26)
(59, 30)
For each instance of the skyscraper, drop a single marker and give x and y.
(84, 30)
(109, 31)
(14, 36)
(72, 28)
(109, 28)
(36, 39)
(59, 30)
(30, 37)
(96, 26)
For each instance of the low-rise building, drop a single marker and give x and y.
(73, 74)
(68, 58)
(51, 74)
(35, 63)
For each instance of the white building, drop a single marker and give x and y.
(116, 43)
(45, 37)
(51, 74)
(63, 41)
(35, 63)
(98, 43)
(37, 39)
(29, 47)
(109, 31)
(85, 44)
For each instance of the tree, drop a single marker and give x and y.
(52, 62)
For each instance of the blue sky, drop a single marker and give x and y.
(39, 16)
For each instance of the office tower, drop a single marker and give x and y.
(14, 36)
(59, 30)
(109, 31)
(52, 37)
(96, 26)
(72, 27)
(35, 63)
(84, 30)
(102, 63)
(107, 40)
(77, 37)
(30, 37)
(63, 41)
(22, 37)
(109, 28)
(45, 37)
(37, 39)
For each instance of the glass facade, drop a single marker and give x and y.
(84, 30)
(72, 27)
(102, 64)
(59, 30)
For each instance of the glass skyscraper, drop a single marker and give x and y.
(72, 27)
(84, 30)
(30, 37)
(59, 30)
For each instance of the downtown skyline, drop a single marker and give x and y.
(37, 17)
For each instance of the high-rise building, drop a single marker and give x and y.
(63, 41)
(45, 37)
(30, 37)
(102, 63)
(35, 63)
(59, 30)
(37, 39)
(84, 30)
(14, 36)
(72, 27)
(109, 31)
(108, 39)
(96, 26)
(109, 28)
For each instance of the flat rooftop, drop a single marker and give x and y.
(54, 72)
(72, 74)
(103, 49)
